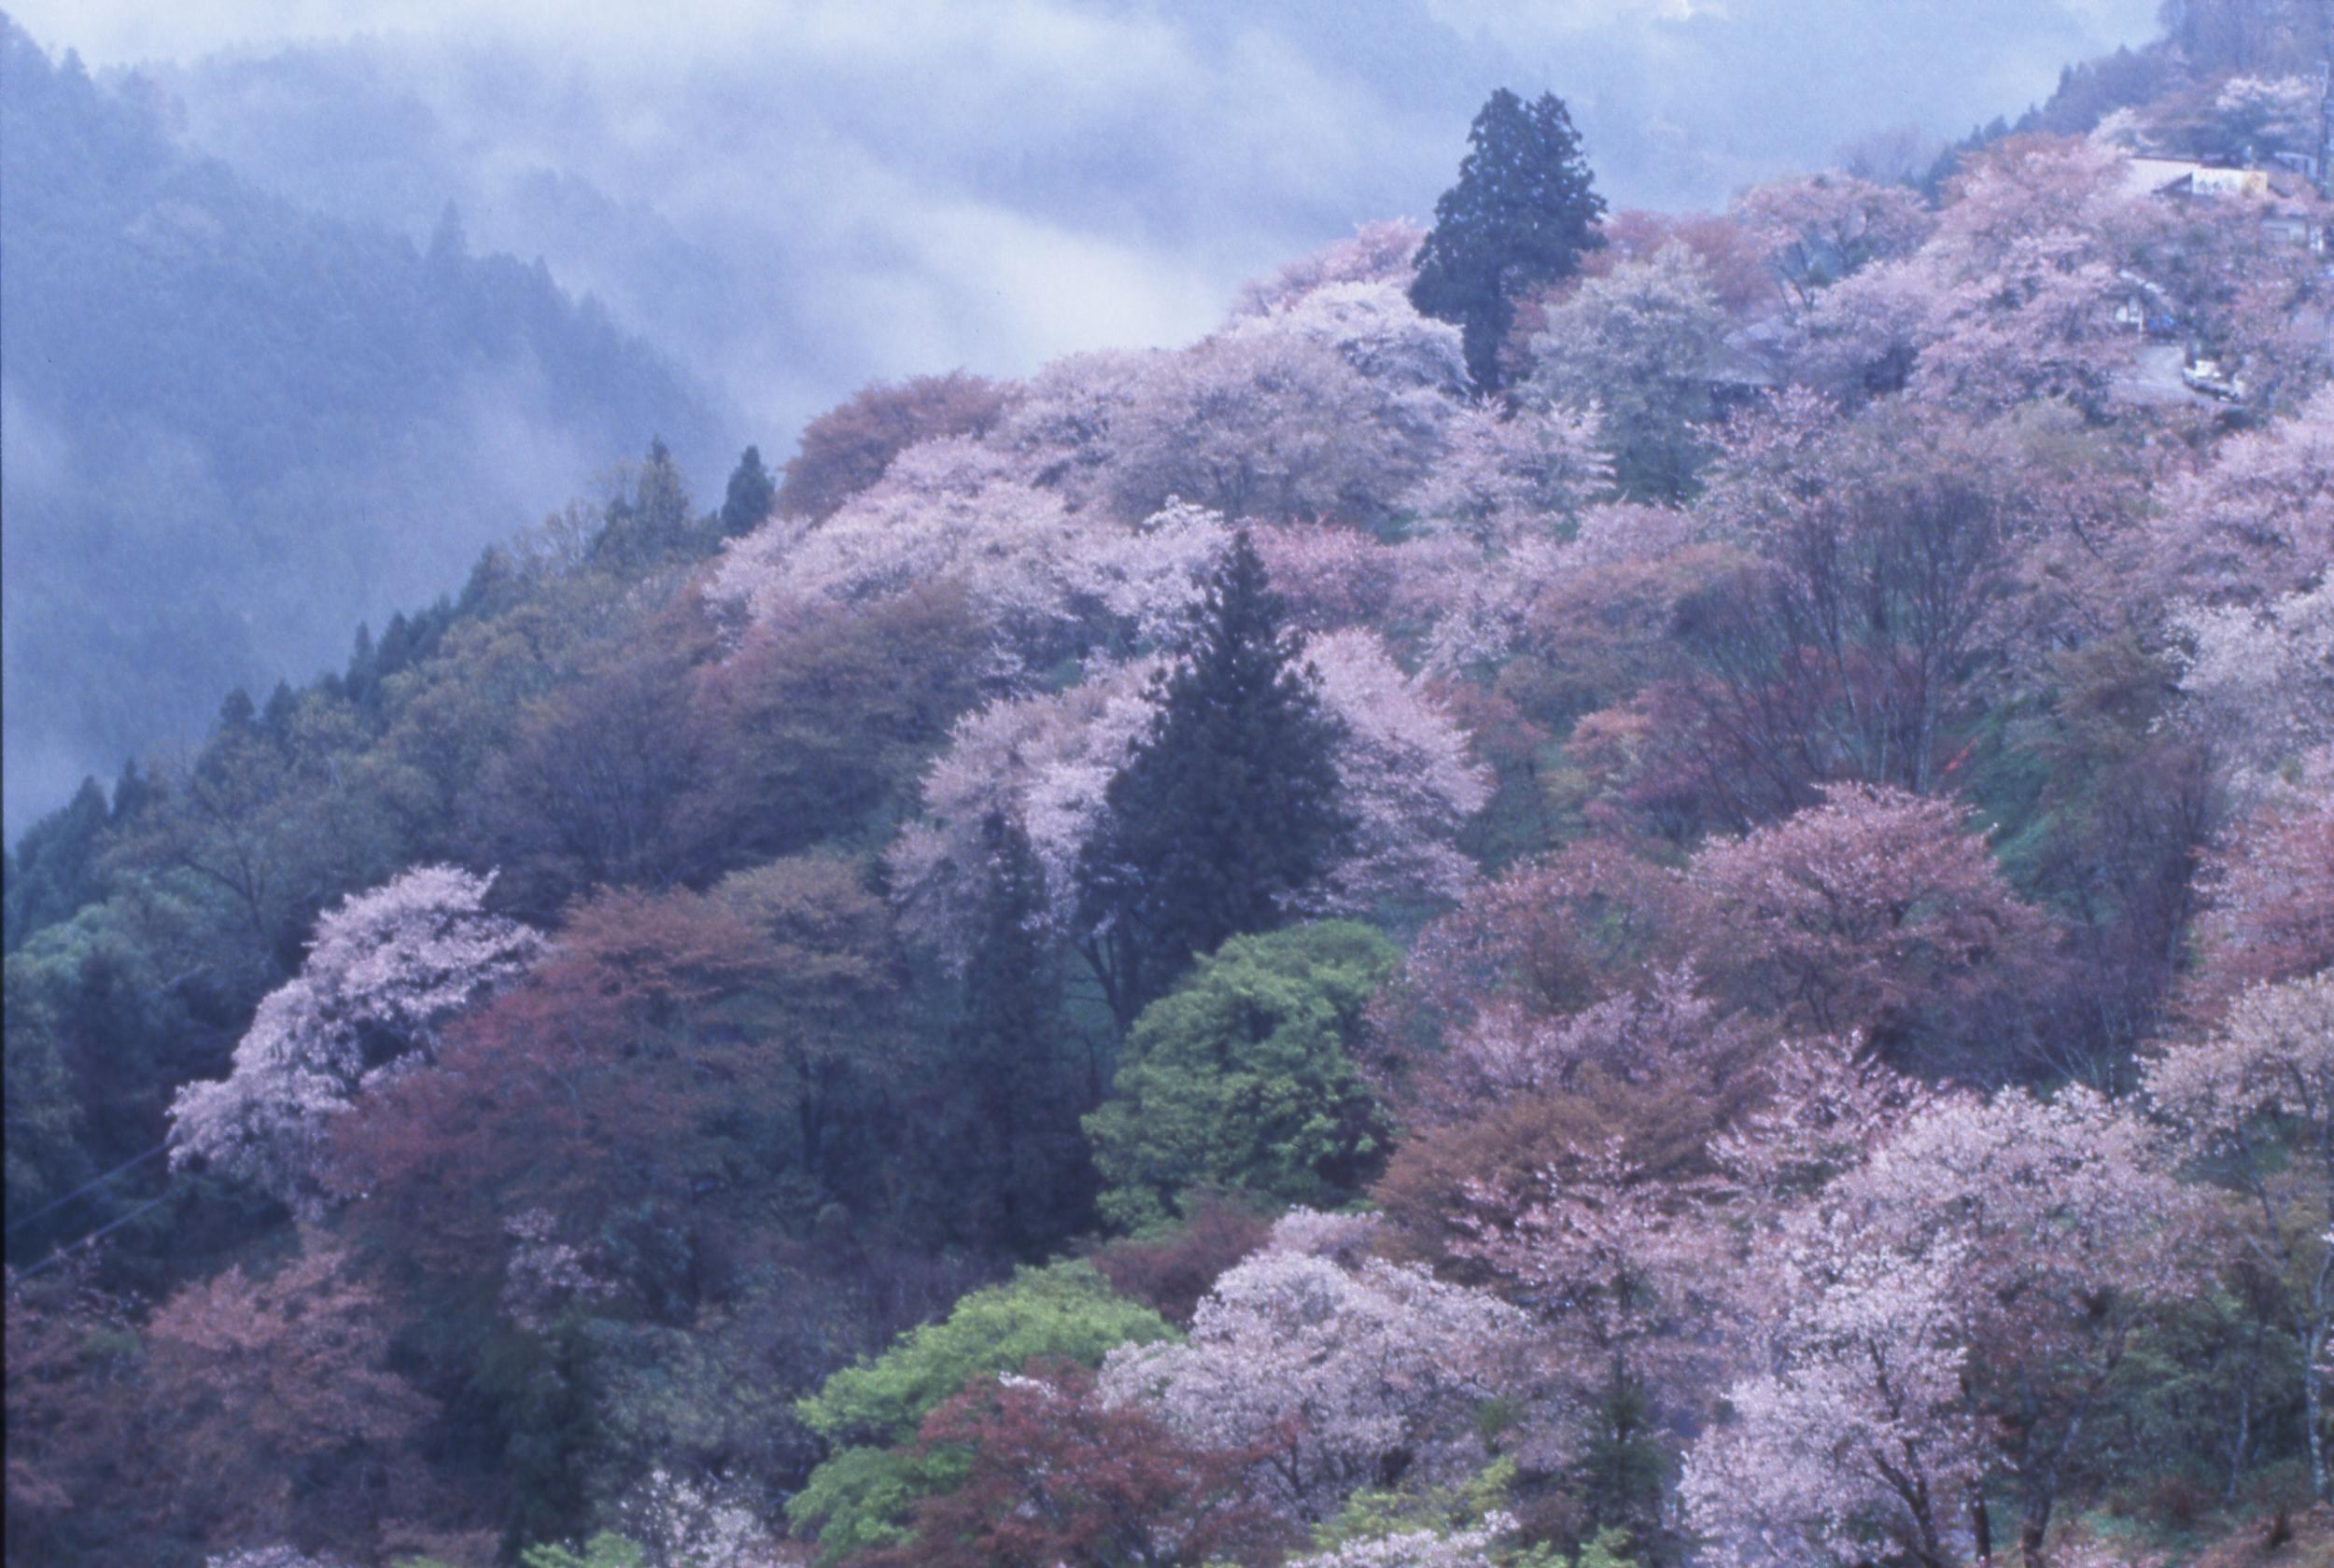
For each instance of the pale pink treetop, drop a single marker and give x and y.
(1259, 422)
(1476, 1546)
(2259, 681)
(1372, 326)
(955, 509)
(1059, 430)
(2258, 521)
(2273, 1055)
(1952, 1308)
(1509, 1050)
(1405, 773)
(1500, 478)
(1382, 251)
(1817, 229)
(1334, 1370)
(387, 970)
(1861, 1431)
(1045, 759)
(1405, 777)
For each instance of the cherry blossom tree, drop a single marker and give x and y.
(1819, 230)
(1862, 1434)
(1059, 432)
(1877, 912)
(1405, 778)
(2258, 116)
(1859, 338)
(678, 1522)
(1507, 1051)
(1641, 347)
(2269, 911)
(1628, 1277)
(2259, 681)
(1547, 939)
(1049, 586)
(2258, 521)
(2255, 1104)
(2060, 1221)
(1728, 249)
(1258, 424)
(1328, 575)
(1957, 1304)
(1385, 250)
(388, 971)
(1046, 760)
(846, 449)
(1339, 1377)
(1502, 476)
(2011, 296)
(1371, 325)
(1477, 1545)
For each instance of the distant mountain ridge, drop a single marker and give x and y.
(234, 429)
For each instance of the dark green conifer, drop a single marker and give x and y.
(648, 518)
(1521, 216)
(55, 871)
(1027, 1158)
(751, 492)
(1227, 812)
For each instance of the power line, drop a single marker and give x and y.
(59, 1255)
(92, 1182)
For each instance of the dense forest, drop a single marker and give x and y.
(235, 429)
(1597, 890)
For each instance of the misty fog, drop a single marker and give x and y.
(785, 201)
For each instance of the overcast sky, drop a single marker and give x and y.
(798, 195)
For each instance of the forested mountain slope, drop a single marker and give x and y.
(234, 430)
(1704, 936)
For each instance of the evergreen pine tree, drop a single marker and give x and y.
(276, 717)
(133, 792)
(55, 869)
(751, 492)
(1228, 810)
(236, 713)
(1023, 1179)
(1521, 215)
(648, 517)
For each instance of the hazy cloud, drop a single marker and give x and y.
(797, 196)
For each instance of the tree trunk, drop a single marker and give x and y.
(2313, 1404)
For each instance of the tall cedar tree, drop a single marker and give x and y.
(1520, 216)
(1227, 811)
(1030, 1182)
(746, 505)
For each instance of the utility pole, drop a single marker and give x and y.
(2325, 121)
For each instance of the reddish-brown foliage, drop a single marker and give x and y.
(1172, 1273)
(675, 1048)
(846, 448)
(288, 1423)
(1059, 1480)
(2270, 891)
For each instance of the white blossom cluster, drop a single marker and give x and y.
(387, 969)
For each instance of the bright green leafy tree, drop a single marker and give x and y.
(1239, 1080)
(861, 1497)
